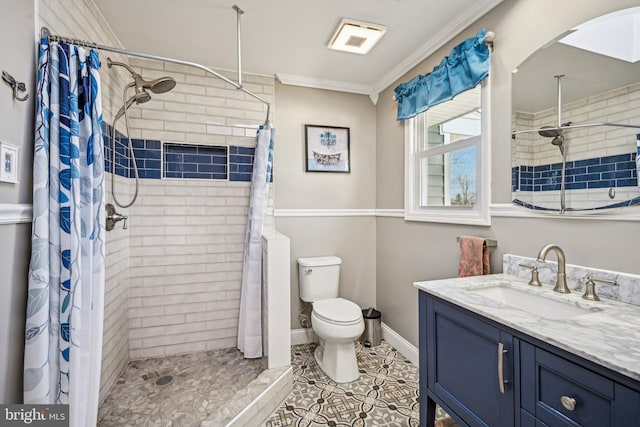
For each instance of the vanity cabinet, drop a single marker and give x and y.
(486, 374)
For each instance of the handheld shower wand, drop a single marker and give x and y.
(159, 85)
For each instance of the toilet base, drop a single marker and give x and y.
(338, 360)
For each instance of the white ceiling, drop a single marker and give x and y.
(585, 74)
(289, 37)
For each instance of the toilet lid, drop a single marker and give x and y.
(337, 310)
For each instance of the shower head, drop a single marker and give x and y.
(558, 141)
(552, 131)
(140, 97)
(549, 132)
(159, 85)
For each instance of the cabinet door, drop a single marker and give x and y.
(561, 392)
(467, 358)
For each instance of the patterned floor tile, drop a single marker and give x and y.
(385, 395)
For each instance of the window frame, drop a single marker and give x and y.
(478, 214)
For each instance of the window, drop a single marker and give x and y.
(447, 161)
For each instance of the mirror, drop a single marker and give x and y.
(593, 73)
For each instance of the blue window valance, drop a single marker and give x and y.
(465, 67)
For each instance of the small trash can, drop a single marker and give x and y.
(372, 327)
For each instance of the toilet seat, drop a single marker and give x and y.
(338, 311)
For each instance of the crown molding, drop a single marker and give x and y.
(15, 213)
(472, 14)
(294, 80)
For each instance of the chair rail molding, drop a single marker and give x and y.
(399, 213)
(16, 213)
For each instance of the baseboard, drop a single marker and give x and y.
(303, 336)
(407, 349)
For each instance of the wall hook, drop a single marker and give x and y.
(15, 86)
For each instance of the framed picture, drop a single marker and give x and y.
(8, 163)
(327, 149)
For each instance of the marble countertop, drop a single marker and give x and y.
(607, 334)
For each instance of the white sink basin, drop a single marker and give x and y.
(534, 303)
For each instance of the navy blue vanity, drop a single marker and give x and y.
(480, 360)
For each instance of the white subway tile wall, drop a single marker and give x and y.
(187, 235)
(173, 279)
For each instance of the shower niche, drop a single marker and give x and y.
(576, 120)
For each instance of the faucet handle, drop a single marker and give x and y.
(535, 280)
(590, 291)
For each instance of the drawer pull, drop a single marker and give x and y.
(501, 380)
(569, 403)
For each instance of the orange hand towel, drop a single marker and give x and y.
(474, 256)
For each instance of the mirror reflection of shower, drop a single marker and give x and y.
(140, 85)
(558, 141)
(556, 134)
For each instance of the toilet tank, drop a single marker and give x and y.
(319, 277)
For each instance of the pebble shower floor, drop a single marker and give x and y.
(385, 395)
(202, 382)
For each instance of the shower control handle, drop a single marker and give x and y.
(114, 217)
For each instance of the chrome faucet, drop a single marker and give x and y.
(561, 281)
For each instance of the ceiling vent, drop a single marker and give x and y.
(356, 36)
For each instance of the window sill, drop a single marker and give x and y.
(451, 216)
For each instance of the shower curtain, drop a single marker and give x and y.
(250, 321)
(63, 340)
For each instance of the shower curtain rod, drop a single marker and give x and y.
(45, 33)
(568, 125)
(584, 125)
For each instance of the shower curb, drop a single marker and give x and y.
(258, 410)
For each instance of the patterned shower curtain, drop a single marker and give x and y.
(250, 321)
(63, 341)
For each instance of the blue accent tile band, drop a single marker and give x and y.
(176, 160)
(195, 161)
(599, 172)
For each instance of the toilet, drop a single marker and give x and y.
(336, 321)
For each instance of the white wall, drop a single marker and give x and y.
(17, 53)
(409, 251)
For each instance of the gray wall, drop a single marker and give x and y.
(408, 251)
(17, 57)
(351, 238)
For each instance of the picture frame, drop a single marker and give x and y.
(8, 163)
(327, 149)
